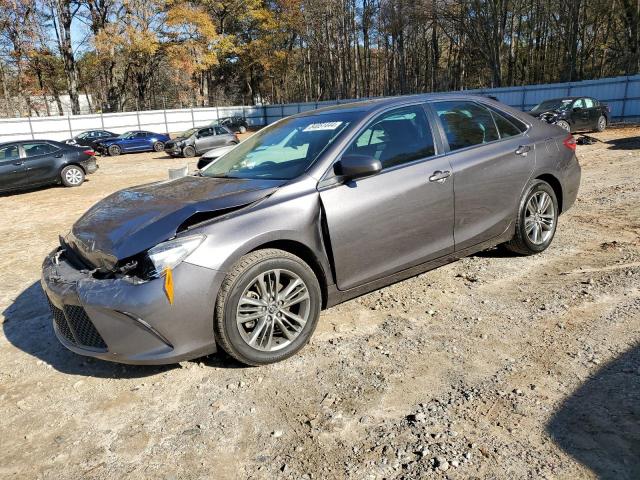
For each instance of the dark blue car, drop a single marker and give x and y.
(134, 141)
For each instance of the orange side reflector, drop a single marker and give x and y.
(168, 284)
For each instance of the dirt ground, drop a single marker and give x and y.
(493, 367)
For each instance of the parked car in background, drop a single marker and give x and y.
(235, 124)
(212, 155)
(90, 138)
(199, 140)
(574, 113)
(134, 141)
(32, 163)
(307, 213)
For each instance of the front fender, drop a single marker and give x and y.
(283, 217)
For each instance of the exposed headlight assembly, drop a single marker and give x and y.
(168, 255)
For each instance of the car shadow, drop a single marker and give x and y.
(28, 326)
(629, 143)
(599, 424)
(495, 252)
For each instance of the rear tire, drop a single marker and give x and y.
(262, 316)
(72, 176)
(537, 220)
(602, 124)
(158, 147)
(114, 150)
(563, 124)
(242, 129)
(189, 152)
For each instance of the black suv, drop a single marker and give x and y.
(574, 113)
(32, 163)
(235, 124)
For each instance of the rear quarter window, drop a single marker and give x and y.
(506, 126)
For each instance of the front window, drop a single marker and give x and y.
(128, 135)
(284, 150)
(400, 136)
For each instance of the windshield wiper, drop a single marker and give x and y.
(220, 176)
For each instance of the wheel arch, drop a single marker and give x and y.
(556, 185)
(304, 253)
(69, 164)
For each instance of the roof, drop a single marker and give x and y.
(370, 105)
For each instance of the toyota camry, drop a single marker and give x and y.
(311, 211)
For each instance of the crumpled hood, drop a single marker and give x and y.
(135, 219)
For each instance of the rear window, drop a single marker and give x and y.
(35, 149)
(466, 123)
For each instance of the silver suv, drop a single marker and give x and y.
(199, 140)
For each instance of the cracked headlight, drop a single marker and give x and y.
(168, 255)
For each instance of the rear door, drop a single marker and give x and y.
(385, 223)
(41, 160)
(223, 137)
(490, 167)
(594, 113)
(580, 114)
(12, 169)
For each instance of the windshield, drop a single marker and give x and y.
(555, 104)
(283, 150)
(188, 133)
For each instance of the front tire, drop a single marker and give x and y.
(267, 308)
(242, 129)
(72, 176)
(602, 124)
(115, 150)
(189, 152)
(537, 220)
(563, 124)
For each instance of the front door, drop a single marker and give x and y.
(399, 218)
(12, 169)
(205, 140)
(491, 159)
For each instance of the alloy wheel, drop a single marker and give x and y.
(73, 176)
(273, 310)
(540, 218)
(602, 123)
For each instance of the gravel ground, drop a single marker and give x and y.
(492, 367)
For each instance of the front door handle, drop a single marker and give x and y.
(440, 176)
(19, 162)
(523, 150)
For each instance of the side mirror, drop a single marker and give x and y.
(355, 166)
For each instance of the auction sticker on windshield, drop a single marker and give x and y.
(322, 126)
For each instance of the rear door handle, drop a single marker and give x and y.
(440, 176)
(18, 163)
(523, 150)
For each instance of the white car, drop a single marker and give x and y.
(212, 155)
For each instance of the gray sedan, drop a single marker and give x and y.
(309, 212)
(199, 140)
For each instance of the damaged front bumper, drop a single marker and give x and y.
(117, 320)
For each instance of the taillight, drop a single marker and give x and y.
(89, 152)
(570, 142)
